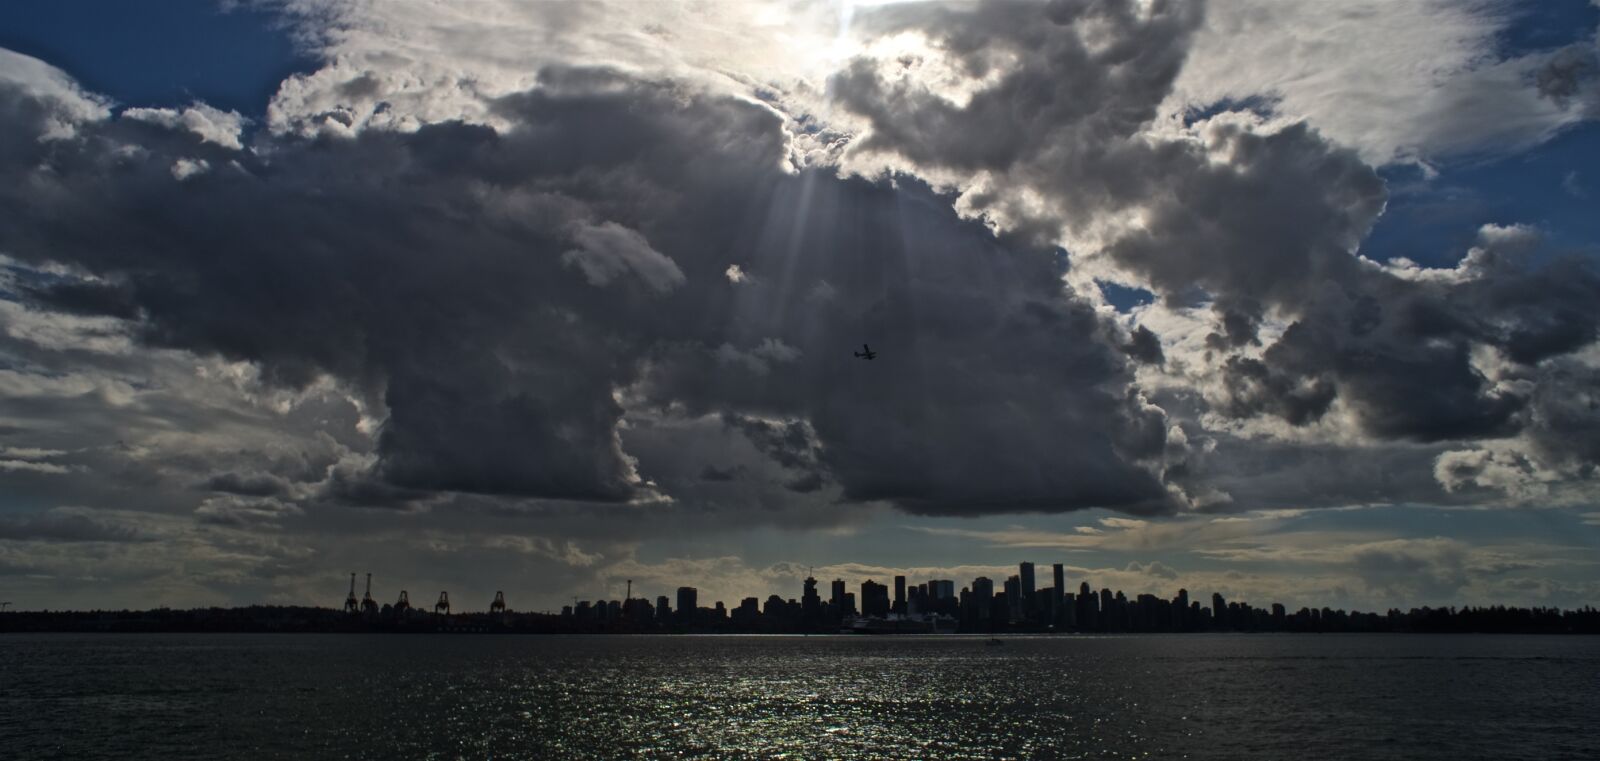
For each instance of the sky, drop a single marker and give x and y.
(1297, 302)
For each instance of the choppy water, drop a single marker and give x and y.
(479, 697)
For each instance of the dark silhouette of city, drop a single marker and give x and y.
(935, 606)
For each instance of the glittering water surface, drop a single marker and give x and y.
(480, 697)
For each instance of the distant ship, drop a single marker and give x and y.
(898, 624)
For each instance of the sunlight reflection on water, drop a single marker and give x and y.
(1200, 696)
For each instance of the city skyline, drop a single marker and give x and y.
(902, 607)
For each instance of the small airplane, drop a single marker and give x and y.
(867, 352)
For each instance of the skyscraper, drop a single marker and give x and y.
(1059, 572)
(1014, 598)
(836, 596)
(1088, 616)
(1025, 602)
(982, 596)
(874, 599)
(899, 594)
(688, 603)
(810, 601)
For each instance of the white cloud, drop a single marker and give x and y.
(68, 101)
(608, 250)
(398, 65)
(210, 124)
(183, 169)
(1395, 80)
(36, 467)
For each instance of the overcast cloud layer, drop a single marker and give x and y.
(528, 287)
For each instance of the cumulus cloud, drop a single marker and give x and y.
(497, 376)
(608, 249)
(210, 124)
(622, 271)
(1394, 81)
(232, 510)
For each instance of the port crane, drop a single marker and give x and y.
(351, 604)
(369, 606)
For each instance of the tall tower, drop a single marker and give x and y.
(1025, 599)
(351, 604)
(1059, 574)
(688, 603)
(810, 601)
(899, 594)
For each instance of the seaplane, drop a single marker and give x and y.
(867, 352)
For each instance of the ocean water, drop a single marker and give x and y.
(181, 696)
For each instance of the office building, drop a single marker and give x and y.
(874, 599)
(1025, 602)
(688, 603)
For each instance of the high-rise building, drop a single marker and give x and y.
(748, 612)
(942, 589)
(1029, 585)
(982, 596)
(1013, 598)
(688, 603)
(837, 596)
(810, 601)
(1219, 611)
(874, 599)
(663, 610)
(1058, 573)
(899, 594)
(1044, 608)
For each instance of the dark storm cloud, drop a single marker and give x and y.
(248, 484)
(85, 298)
(1261, 219)
(714, 473)
(495, 293)
(1399, 352)
(510, 301)
(1073, 77)
(57, 526)
(1145, 346)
